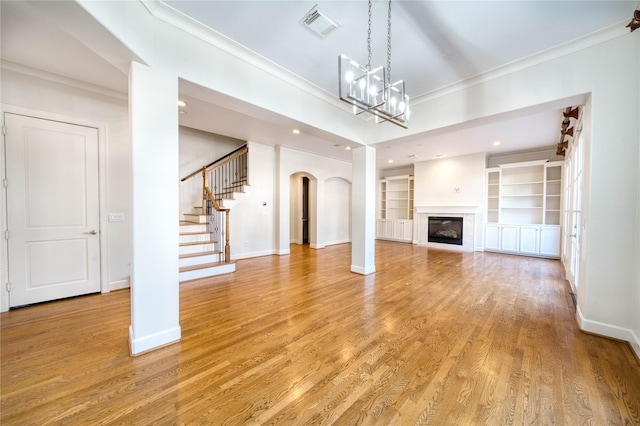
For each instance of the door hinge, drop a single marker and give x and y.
(4, 130)
(6, 235)
(8, 286)
(5, 182)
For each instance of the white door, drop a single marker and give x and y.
(52, 209)
(573, 202)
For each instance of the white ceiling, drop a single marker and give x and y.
(434, 44)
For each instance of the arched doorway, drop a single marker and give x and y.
(303, 212)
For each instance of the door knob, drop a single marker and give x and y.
(92, 232)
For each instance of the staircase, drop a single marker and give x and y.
(202, 249)
(200, 254)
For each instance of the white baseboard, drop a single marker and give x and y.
(363, 271)
(119, 285)
(336, 242)
(608, 330)
(316, 246)
(635, 344)
(255, 254)
(140, 345)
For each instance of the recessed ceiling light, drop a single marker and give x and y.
(390, 161)
(295, 131)
(348, 148)
(496, 143)
(181, 112)
(181, 103)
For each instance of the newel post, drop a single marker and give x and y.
(227, 248)
(204, 190)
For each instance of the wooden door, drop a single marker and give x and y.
(52, 209)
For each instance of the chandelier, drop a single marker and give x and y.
(370, 90)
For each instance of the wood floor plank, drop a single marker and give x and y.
(433, 337)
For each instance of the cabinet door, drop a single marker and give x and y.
(529, 239)
(492, 237)
(509, 238)
(550, 241)
(407, 233)
(398, 229)
(381, 226)
(388, 228)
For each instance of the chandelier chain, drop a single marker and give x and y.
(369, 56)
(389, 43)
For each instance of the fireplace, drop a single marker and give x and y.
(445, 230)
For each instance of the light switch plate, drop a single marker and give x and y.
(116, 217)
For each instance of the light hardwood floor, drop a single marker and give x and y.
(432, 337)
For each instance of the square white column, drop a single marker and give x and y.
(155, 213)
(363, 211)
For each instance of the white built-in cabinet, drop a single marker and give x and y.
(395, 214)
(523, 208)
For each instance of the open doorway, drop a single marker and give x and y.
(305, 210)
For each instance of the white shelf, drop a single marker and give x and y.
(396, 198)
(527, 193)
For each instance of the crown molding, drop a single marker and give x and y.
(60, 79)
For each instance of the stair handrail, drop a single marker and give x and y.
(222, 160)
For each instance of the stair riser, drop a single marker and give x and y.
(195, 238)
(199, 260)
(196, 218)
(197, 248)
(207, 272)
(185, 229)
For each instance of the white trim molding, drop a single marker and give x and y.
(609, 331)
(153, 341)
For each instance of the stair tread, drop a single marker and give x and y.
(195, 233)
(195, 243)
(200, 253)
(202, 266)
(190, 223)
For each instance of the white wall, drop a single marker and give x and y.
(119, 201)
(252, 221)
(295, 208)
(457, 181)
(337, 223)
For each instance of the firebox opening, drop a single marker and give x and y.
(447, 230)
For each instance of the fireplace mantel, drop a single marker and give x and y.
(448, 209)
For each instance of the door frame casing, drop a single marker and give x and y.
(102, 196)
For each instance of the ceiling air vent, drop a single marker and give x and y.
(319, 21)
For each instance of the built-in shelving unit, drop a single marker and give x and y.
(395, 215)
(493, 196)
(523, 208)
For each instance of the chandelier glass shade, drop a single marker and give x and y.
(370, 90)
